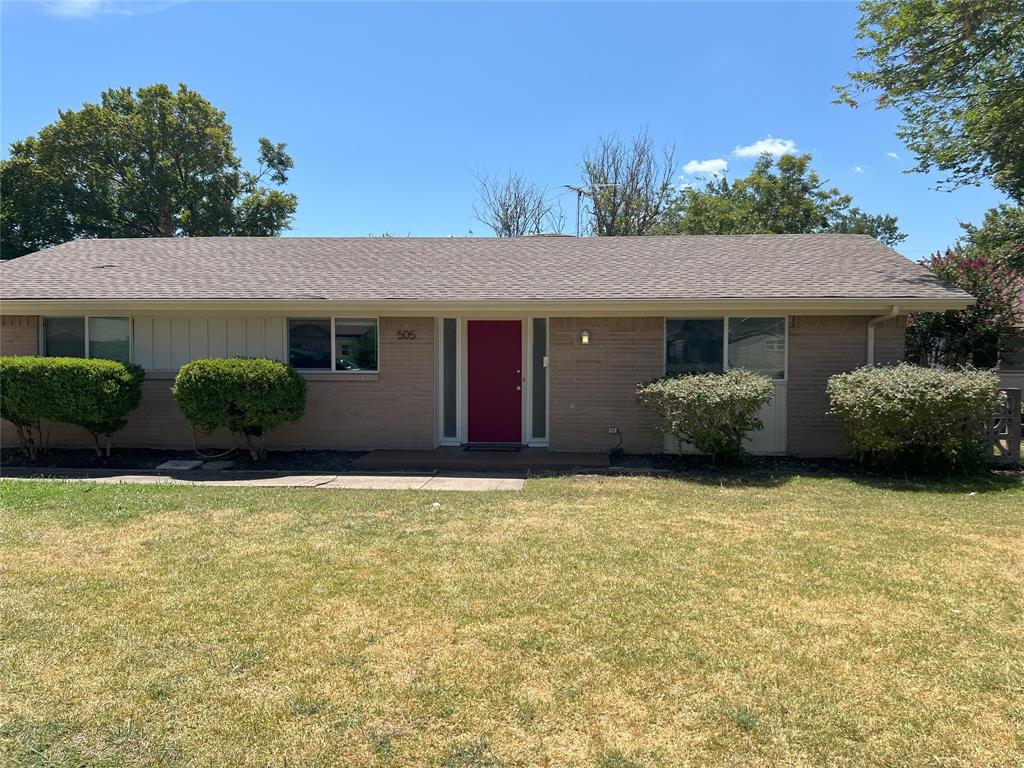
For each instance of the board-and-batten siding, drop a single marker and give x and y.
(163, 343)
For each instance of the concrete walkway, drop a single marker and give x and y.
(425, 481)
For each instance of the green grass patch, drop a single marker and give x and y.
(585, 621)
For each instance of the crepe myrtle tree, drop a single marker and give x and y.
(988, 263)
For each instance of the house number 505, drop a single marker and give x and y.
(406, 334)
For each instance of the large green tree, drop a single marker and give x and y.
(784, 197)
(955, 71)
(146, 163)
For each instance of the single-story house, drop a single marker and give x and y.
(422, 342)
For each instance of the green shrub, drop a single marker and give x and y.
(24, 399)
(94, 394)
(248, 396)
(713, 412)
(910, 418)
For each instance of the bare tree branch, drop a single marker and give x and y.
(629, 184)
(513, 207)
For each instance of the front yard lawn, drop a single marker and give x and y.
(606, 622)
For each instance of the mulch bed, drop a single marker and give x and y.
(766, 468)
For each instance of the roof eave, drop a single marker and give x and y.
(576, 307)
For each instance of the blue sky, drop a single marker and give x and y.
(388, 109)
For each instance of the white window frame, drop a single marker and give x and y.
(725, 341)
(334, 358)
(87, 319)
(450, 440)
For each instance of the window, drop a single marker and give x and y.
(355, 344)
(701, 345)
(338, 344)
(758, 344)
(450, 377)
(309, 343)
(693, 346)
(64, 336)
(102, 337)
(109, 337)
(539, 391)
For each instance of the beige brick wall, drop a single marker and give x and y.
(394, 409)
(19, 335)
(818, 348)
(592, 387)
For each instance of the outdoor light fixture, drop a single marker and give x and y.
(585, 337)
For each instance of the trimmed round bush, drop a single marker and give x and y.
(904, 417)
(97, 395)
(713, 412)
(248, 396)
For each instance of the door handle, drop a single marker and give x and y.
(518, 388)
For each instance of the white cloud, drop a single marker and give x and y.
(716, 166)
(857, 169)
(893, 155)
(84, 9)
(75, 8)
(767, 145)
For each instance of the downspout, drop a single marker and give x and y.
(871, 330)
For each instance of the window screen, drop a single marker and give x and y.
(758, 344)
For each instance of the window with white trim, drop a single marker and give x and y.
(101, 337)
(715, 344)
(758, 344)
(340, 344)
(694, 345)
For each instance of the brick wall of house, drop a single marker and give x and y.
(818, 348)
(19, 334)
(592, 387)
(347, 412)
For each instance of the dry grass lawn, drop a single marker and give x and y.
(586, 621)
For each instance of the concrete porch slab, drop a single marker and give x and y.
(457, 459)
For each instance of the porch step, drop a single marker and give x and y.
(455, 458)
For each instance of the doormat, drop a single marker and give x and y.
(509, 447)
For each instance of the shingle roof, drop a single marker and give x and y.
(473, 269)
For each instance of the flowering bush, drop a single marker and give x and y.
(713, 412)
(907, 417)
(972, 336)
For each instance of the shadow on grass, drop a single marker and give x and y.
(756, 472)
(774, 472)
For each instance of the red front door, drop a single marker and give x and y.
(494, 368)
